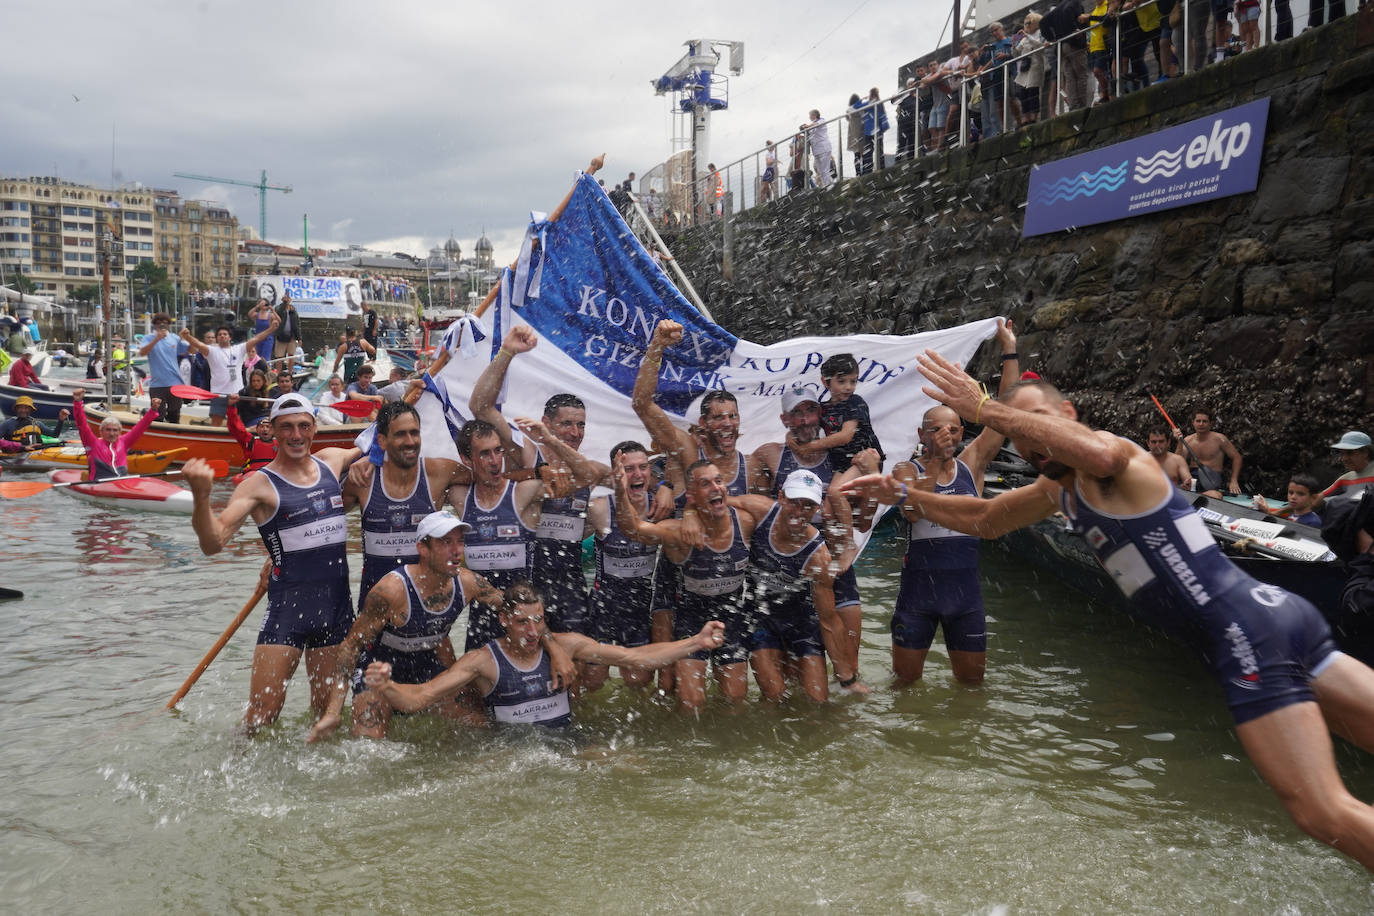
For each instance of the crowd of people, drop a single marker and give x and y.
(710, 563)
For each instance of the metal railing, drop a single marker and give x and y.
(797, 158)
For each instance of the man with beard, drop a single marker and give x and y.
(1286, 684)
(1172, 464)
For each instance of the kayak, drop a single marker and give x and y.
(213, 442)
(74, 456)
(149, 494)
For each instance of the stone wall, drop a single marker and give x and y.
(1261, 305)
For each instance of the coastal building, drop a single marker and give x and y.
(50, 231)
(196, 240)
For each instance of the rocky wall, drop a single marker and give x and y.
(1260, 305)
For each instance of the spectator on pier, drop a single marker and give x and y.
(875, 125)
(817, 135)
(860, 143)
(906, 122)
(923, 105)
(769, 179)
(1030, 76)
(992, 78)
(938, 81)
(1060, 24)
(1099, 54)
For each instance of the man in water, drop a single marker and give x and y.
(297, 503)
(1285, 681)
(1171, 463)
(404, 622)
(1209, 450)
(514, 674)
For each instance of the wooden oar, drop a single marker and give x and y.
(20, 489)
(219, 644)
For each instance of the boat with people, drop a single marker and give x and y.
(149, 494)
(61, 457)
(47, 403)
(212, 443)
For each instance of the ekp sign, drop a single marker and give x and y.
(1215, 156)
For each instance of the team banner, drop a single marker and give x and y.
(594, 296)
(313, 297)
(1212, 157)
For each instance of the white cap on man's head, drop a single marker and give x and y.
(288, 404)
(1352, 440)
(804, 484)
(797, 395)
(438, 524)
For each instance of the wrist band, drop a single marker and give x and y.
(979, 412)
(1012, 355)
(850, 682)
(902, 498)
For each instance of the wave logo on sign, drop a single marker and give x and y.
(1084, 184)
(1222, 145)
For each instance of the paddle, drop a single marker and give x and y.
(219, 644)
(20, 489)
(1173, 425)
(349, 408)
(7, 594)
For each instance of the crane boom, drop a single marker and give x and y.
(262, 186)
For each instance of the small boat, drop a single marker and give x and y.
(74, 456)
(200, 440)
(46, 404)
(148, 494)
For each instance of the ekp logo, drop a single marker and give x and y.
(1222, 145)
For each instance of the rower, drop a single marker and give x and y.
(514, 673)
(351, 352)
(1286, 683)
(24, 430)
(405, 622)
(712, 578)
(108, 454)
(259, 445)
(298, 506)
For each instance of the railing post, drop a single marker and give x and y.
(727, 257)
(1187, 39)
(963, 113)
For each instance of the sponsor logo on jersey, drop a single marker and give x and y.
(508, 531)
(1244, 655)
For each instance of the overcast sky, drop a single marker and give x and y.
(396, 123)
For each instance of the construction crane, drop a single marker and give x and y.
(262, 186)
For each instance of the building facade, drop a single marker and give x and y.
(196, 240)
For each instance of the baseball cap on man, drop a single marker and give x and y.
(803, 485)
(795, 396)
(288, 404)
(438, 524)
(1351, 441)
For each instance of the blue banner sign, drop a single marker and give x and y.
(1202, 160)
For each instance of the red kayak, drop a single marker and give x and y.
(150, 494)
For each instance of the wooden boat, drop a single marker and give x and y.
(200, 440)
(148, 494)
(74, 456)
(46, 404)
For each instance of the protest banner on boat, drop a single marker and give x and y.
(593, 296)
(313, 297)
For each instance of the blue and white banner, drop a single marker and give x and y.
(313, 297)
(1202, 160)
(600, 296)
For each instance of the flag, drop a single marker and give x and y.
(599, 299)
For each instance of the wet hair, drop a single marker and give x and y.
(520, 591)
(699, 463)
(390, 411)
(556, 403)
(1306, 480)
(471, 430)
(839, 364)
(1206, 412)
(1159, 431)
(713, 396)
(629, 445)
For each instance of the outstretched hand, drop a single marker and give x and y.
(950, 384)
(881, 487)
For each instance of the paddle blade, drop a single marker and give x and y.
(19, 489)
(221, 468)
(192, 393)
(355, 408)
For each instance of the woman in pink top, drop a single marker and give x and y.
(108, 455)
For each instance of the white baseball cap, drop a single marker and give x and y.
(291, 403)
(804, 484)
(438, 524)
(1351, 441)
(797, 395)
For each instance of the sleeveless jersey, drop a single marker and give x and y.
(624, 568)
(424, 629)
(934, 547)
(789, 462)
(389, 525)
(307, 536)
(558, 540)
(1164, 561)
(498, 546)
(777, 583)
(523, 695)
(714, 579)
(736, 486)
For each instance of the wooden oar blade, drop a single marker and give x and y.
(354, 408)
(19, 489)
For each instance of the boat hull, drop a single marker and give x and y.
(74, 456)
(46, 404)
(145, 494)
(214, 443)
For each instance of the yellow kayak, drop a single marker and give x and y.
(61, 457)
